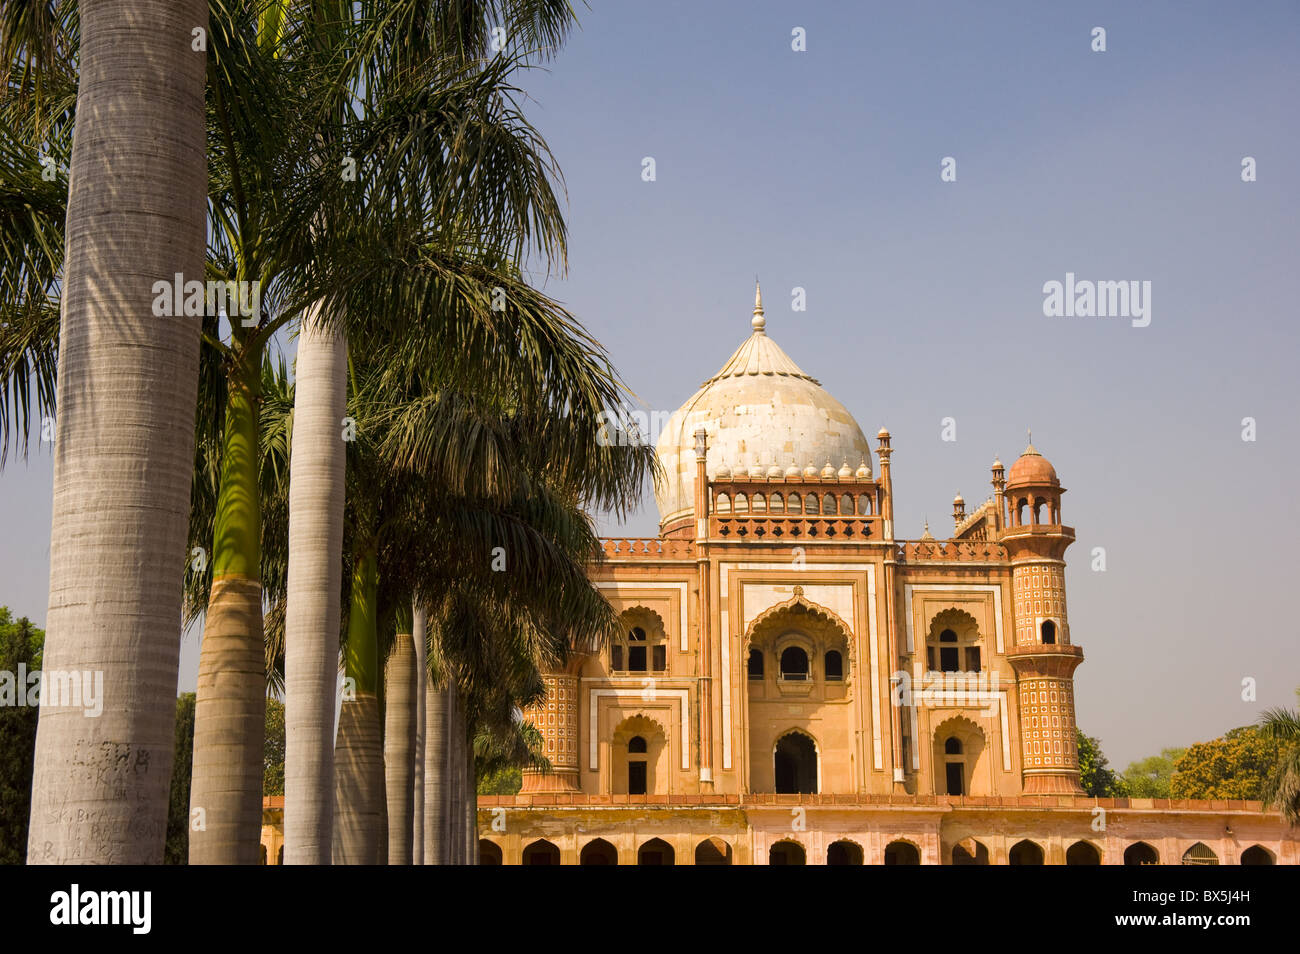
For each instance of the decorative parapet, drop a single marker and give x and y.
(642, 548)
(951, 551)
(758, 527)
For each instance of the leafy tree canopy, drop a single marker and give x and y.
(1095, 774)
(20, 643)
(1234, 766)
(1152, 776)
(273, 759)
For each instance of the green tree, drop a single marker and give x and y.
(21, 643)
(1282, 787)
(1235, 766)
(178, 813)
(1151, 777)
(273, 772)
(1095, 774)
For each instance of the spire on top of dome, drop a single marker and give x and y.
(1030, 451)
(758, 323)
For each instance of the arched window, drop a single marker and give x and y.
(864, 505)
(828, 505)
(1049, 632)
(755, 664)
(846, 505)
(794, 663)
(952, 746)
(1200, 854)
(759, 503)
(598, 852)
(541, 852)
(1256, 855)
(795, 503)
(1082, 853)
(636, 765)
(489, 852)
(778, 503)
(639, 652)
(742, 503)
(724, 504)
(902, 853)
(843, 853)
(957, 642)
(1021, 505)
(787, 853)
(834, 666)
(811, 506)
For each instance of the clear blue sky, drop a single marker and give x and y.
(820, 169)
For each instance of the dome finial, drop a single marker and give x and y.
(759, 322)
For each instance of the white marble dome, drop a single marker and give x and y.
(760, 410)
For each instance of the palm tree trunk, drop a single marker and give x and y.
(359, 772)
(419, 637)
(435, 775)
(124, 450)
(230, 708)
(316, 495)
(399, 742)
(471, 802)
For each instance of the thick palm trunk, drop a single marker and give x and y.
(359, 755)
(456, 768)
(124, 452)
(435, 775)
(419, 637)
(399, 742)
(230, 705)
(311, 652)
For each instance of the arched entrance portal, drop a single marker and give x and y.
(795, 762)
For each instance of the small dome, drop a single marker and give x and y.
(927, 535)
(997, 463)
(1032, 468)
(774, 472)
(883, 434)
(845, 471)
(756, 469)
(723, 473)
(792, 472)
(810, 471)
(959, 499)
(828, 471)
(864, 471)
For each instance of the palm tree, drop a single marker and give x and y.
(400, 708)
(1282, 788)
(126, 387)
(401, 37)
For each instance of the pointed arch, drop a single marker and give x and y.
(803, 614)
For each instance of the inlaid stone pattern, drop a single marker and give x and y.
(1039, 591)
(1047, 723)
(556, 717)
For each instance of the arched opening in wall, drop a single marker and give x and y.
(1021, 506)
(1082, 853)
(846, 505)
(954, 766)
(794, 664)
(656, 851)
(811, 506)
(844, 853)
(636, 650)
(787, 853)
(541, 852)
(1039, 505)
(1025, 853)
(489, 852)
(637, 769)
(970, 852)
(742, 503)
(724, 504)
(759, 503)
(778, 503)
(902, 853)
(864, 505)
(713, 851)
(598, 852)
(828, 505)
(834, 667)
(1140, 853)
(1200, 854)
(755, 667)
(795, 503)
(1257, 855)
(795, 762)
(1049, 632)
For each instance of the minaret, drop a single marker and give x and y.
(884, 451)
(1043, 657)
